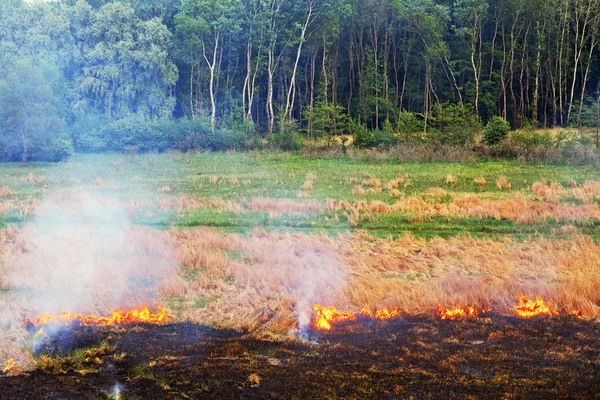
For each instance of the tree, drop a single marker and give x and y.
(29, 121)
(126, 65)
(209, 23)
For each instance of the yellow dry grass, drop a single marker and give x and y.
(33, 178)
(358, 190)
(371, 182)
(307, 185)
(262, 289)
(182, 203)
(282, 205)
(480, 181)
(5, 191)
(436, 192)
(502, 183)
(395, 193)
(21, 207)
(268, 281)
(451, 179)
(164, 189)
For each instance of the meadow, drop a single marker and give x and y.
(251, 241)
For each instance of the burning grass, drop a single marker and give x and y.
(117, 317)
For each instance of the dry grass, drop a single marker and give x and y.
(395, 193)
(5, 191)
(414, 275)
(269, 281)
(400, 181)
(213, 179)
(165, 189)
(307, 185)
(517, 208)
(21, 207)
(451, 180)
(502, 183)
(33, 178)
(358, 190)
(436, 192)
(480, 181)
(371, 182)
(303, 195)
(282, 205)
(182, 203)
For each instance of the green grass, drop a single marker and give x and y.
(279, 175)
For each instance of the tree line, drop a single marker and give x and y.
(107, 74)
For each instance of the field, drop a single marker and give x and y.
(237, 248)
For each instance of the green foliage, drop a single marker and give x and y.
(29, 119)
(453, 124)
(495, 131)
(409, 126)
(363, 137)
(62, 149)
(326, 120)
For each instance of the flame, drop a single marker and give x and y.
(459, 312)
(528, 308)
(578, 314)
(118, 317)
(326, 315)
(382, 313)
(10, 363)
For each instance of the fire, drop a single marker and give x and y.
(118, 317)
(326, 315)
(9, 365)
(458, 312)
(578, 314)
(382, 313)
(528, 308)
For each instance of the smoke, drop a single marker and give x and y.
(81, 253)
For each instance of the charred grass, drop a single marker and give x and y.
(418, 357)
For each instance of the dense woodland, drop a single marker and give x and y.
(152, 75)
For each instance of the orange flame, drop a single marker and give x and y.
(382, 313)
(118, 317)
(9, 365)
(458, 312)
(326, 315)
(578, 314)
(528, 308)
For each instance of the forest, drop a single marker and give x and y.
(132, 75)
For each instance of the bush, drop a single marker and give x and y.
(224, 139)
(495, 131)
(62, 149)
(453, 124)
(285, 141)
(408, 126)
(363, 137)
(89, 133)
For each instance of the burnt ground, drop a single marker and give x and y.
(497, 357)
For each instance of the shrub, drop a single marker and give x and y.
(363, 137)
(61, 150)
(453, 124)
(224, 139)
(408, 125)
(495, 131)
(285, 141)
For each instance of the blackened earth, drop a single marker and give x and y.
(421, 358)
